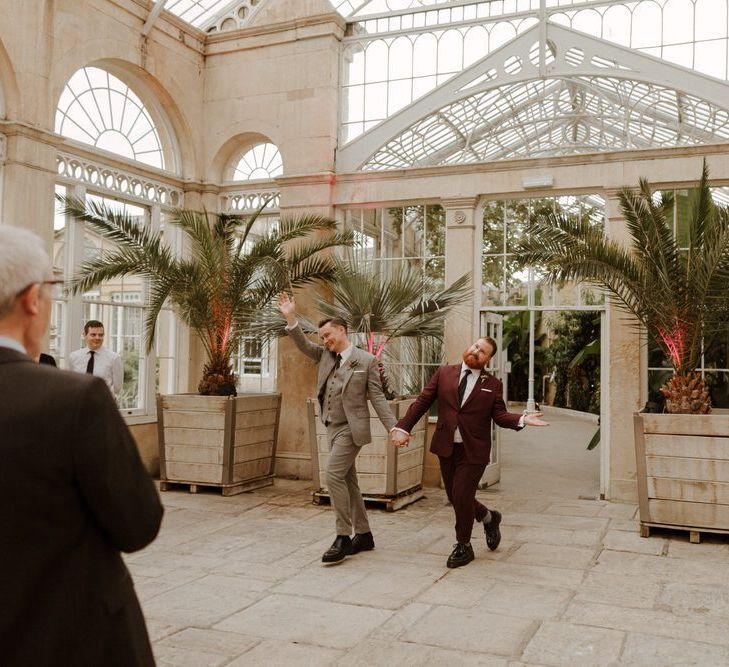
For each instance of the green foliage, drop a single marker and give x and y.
(515, 340)
(574, 356)
(429, 222)
(228, 278)
(677, 286)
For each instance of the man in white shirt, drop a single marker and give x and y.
(95, 359)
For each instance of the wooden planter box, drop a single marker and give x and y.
(386, 474)
(222, 441)
(683, 472)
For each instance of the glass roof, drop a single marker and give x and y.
(557, 116)
(198, 12)
(396, 52)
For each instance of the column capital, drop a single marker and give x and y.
(453, 203)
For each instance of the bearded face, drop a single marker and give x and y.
(478, 355)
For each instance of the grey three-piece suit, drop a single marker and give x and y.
(343, 393)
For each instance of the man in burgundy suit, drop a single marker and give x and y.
(468, 399)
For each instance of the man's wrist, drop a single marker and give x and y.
(397, 428)
(291, 325)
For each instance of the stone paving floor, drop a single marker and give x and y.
(238, 581)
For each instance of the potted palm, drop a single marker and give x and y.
(679, 293)
(398, 316)
(229, 273)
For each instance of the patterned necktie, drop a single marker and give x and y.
(462, 386)
(90, 365)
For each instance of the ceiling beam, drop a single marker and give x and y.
(154, 13)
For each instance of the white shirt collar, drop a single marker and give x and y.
(346, 354)
(6, 341)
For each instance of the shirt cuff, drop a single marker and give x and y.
(402, 430)
(288, 327)
(521, 421)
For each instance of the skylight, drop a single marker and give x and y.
(197, 12)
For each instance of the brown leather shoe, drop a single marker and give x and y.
(363, 542)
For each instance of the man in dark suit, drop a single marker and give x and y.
(73, 492)
(468, 399)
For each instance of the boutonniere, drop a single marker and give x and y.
(483, 375)
(353, 363)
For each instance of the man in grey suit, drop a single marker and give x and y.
(348, 377)
(74, 492)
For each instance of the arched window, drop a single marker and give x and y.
(98, 109)
(262, 161)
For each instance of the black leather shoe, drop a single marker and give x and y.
(363, 542)
(462, 554)
(341, 548)
(493, 534)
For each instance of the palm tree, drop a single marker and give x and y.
(381, 307)
(228, 277)
(679, 294)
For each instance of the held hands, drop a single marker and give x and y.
(399, 438)
(533, 419)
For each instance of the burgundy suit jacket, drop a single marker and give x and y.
(473, 418)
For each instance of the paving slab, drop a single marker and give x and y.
(471, 630)
(308, 620)
(642, 650)
(566, 645)
(619, 590)
(270, 653)
(648, 621)
(402, 654)
(239, 580)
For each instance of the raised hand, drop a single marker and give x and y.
(533, 419)
(287, 306)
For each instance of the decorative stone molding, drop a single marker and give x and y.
(115, 181)
(248, 202)
(236, 17)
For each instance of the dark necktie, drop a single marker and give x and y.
(90, 365)
(338, 362)
(462, 386)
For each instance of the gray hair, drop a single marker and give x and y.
(23, 261)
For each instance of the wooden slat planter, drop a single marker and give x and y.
(683, 472)
(386, 473)
(222, 441)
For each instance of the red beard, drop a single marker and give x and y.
(472, 361)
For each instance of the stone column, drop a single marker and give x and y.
(296, 374)
(29, 177)
(622, 375)
(464, 226)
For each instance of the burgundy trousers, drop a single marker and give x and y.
(461, 479)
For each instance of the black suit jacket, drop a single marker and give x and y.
(73, 495)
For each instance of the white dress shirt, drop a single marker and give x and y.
(107, 365)
(470, 384)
